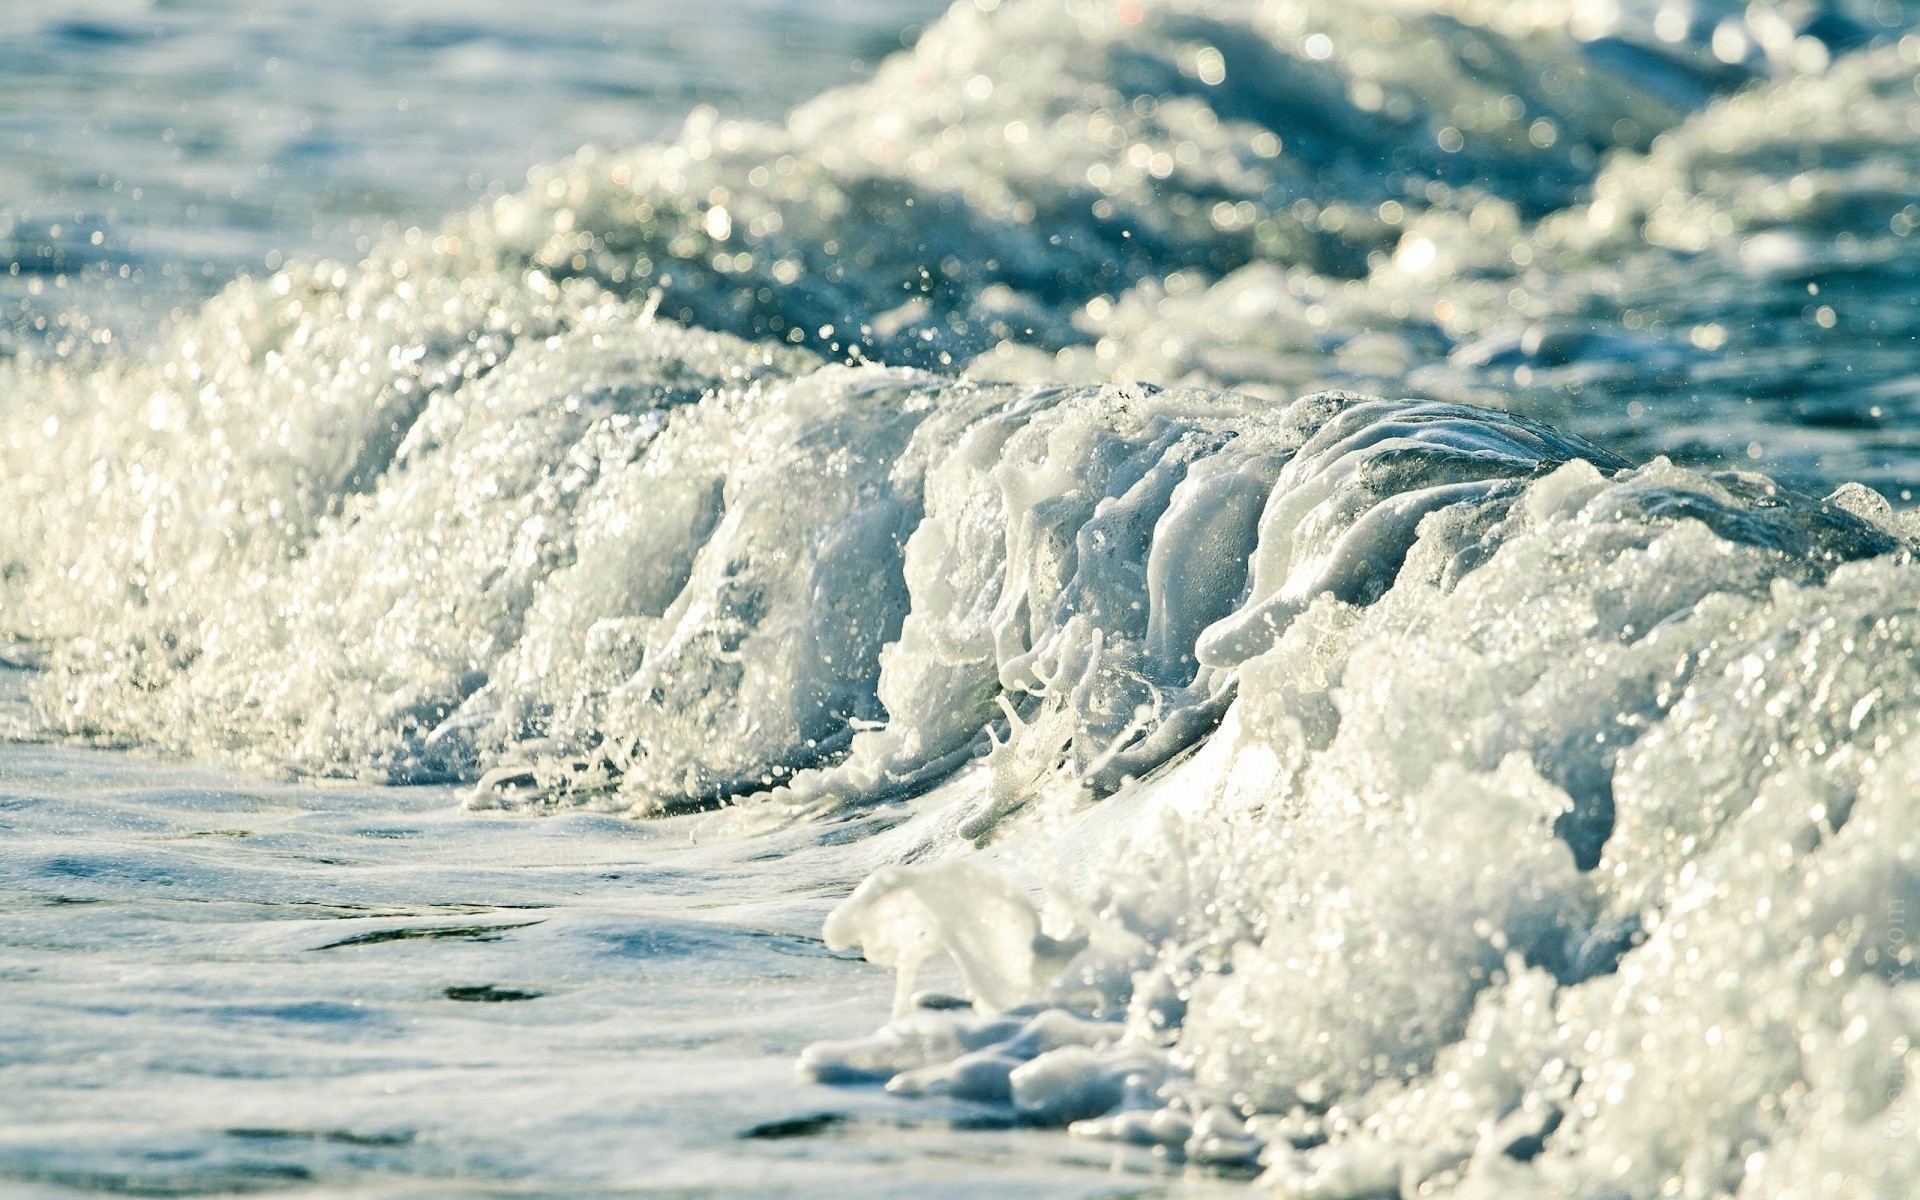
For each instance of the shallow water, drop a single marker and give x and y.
(972, 488)
(216, 984)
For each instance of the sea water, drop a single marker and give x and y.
(1328, 588)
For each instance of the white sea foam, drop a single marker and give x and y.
(1401, 794)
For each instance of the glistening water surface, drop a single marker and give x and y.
(219, 985)
(1331, 585)
(152, 149)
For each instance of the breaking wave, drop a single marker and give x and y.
(1490, 791)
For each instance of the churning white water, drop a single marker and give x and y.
(1341, 572)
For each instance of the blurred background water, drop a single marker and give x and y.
(150, 150)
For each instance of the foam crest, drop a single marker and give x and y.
(1589, 773)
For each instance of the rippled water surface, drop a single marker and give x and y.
(218, 985)
(151, 149)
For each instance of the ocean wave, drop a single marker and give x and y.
(1424, 795)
